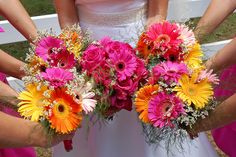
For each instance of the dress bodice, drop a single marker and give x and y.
(110, 6)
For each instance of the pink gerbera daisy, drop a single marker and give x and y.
(208, 74)
(187, 35)
(164, 36)
(163, 109)
(124, 63)
(57, 76)
(169, 71)
(46, 46)
(63, 59)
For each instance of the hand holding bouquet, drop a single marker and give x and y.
(57, 95)
(179, 88)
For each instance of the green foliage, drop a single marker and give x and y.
(17, 50)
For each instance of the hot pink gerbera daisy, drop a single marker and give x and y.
(124, 63)
(164, 36)
(169, 71)
(163, 109)
(63, 59)
(46, 46)
(57, 76)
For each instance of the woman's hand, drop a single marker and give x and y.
(42, 139)
(16, 14)
(154, 19)
(11, 66)
(16, 132)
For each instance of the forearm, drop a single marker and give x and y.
(15, 13)
(16, 132)
(157, 10)
(67, 12)
(6, 91)
(223, 114)
(224, 58)
(8, 96)
(11, 66)
(215, 14)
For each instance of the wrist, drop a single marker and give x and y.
(37, 135)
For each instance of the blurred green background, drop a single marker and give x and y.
(42, 7)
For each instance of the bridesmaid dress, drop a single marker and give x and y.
(14, 152)
(225, 137)
(122, 20)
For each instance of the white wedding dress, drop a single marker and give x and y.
(122, 20)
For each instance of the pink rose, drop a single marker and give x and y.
(128, 86)
(92, 58)
(117, 47)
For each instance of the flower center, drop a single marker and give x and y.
(61, 108)
(55, 81)
(42, 68)
(120, 66)
(163, 38)
(62, 64)
(192, 91)
(172, 71)
(167, 106)
(50, 50)
(172, 57)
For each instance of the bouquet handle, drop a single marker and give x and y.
(68, 145)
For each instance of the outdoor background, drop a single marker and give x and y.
(42, 7)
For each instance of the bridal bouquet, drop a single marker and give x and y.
(57, 94)
(179, 88)
(116, 72)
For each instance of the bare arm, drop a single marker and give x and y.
(15, 13)
(10, 65)
(17, 132)
(157, 11)
(67, 12)
(215, 14)
(224, 114)
(224, 58)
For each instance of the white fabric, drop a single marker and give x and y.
(122, 137)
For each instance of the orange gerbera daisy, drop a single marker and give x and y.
(143, 48)
(66, 113)
(144, 95)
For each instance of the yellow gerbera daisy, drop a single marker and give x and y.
(193, 58)
(32, 105)
(144, 95)
(66, 113)
(192, 92)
